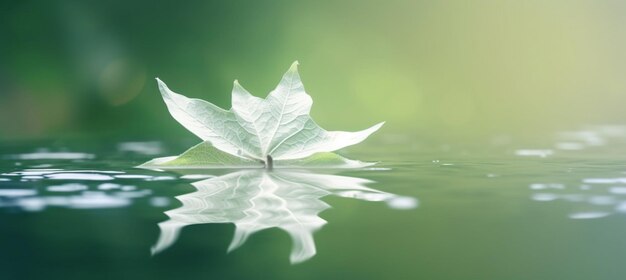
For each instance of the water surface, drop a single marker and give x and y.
(499, 209)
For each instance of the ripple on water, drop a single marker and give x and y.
(133, 194)
(539, 186)
(402, 203)
(161, 178)
(602, 200)
(70, 187)
(534, 152)
(128, 188)
(605, 180)
(132, 176)
(77, 193)
(51, 155)
(159, 201)
(145, 148)
(79, 176)
(570, 146)
(604, 194)
(97, 200)
(25, 200)
(589, 215)
(44, 172)
(109, 186)
(544, 197)
(617, 190)
(31, 177)
(17, 192)
(621, 207)
(594, 192)
(90, 175)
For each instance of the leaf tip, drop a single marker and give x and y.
(238, 89)
(162, 87)
(294, 66)
(161, 83)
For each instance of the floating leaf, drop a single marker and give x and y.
(256, 132)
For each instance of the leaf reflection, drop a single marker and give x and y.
(255, 200)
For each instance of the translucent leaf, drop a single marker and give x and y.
(278, 126)
(203, 155)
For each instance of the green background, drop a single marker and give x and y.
(445, 75)
(430, 68)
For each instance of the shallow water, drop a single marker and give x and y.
(553, 209)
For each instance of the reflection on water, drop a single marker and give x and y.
(68, 203)
(149, 148)
(254, 200)
(69, 188)
(589, 197)
(44, 154)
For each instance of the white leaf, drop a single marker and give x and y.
(313, 139)
(282, 114)
(210, 123)
(278, 126)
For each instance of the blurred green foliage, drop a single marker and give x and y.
(446, 68)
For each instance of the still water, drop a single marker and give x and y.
(502, 209)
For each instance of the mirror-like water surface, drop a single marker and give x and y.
(552, 209)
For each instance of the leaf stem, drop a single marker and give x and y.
(269, 163)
